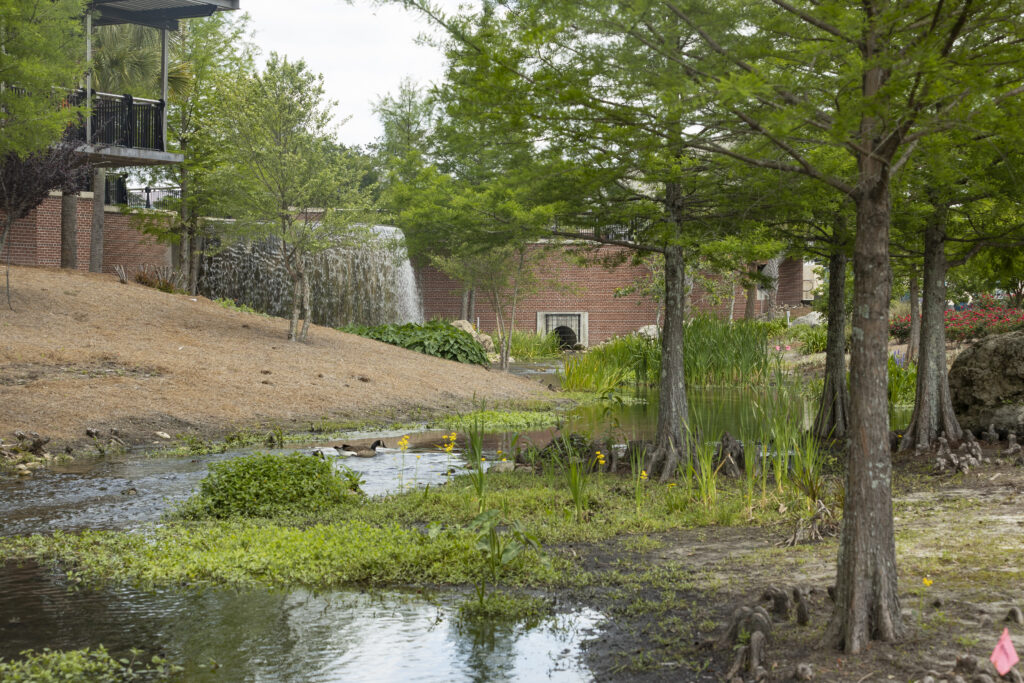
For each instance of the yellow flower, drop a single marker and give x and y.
(671, 484)
(503, 459)
(643, 475)
(926, 581)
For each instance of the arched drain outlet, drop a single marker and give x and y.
(566, 337)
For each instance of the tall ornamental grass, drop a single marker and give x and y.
(715, 353)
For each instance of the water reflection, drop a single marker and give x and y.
(257, 635)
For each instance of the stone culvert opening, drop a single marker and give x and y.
(566, 337)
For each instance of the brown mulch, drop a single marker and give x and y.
(82, 350)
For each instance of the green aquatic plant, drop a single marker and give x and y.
(499, 549)
(95, 665)
(268, 484)
(475, 453)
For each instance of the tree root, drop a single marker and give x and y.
(821, 524)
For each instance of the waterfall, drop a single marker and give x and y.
(367, 285)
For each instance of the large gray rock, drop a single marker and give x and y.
(986, 383)
(483, 339)
(812, 319)
(649, 331)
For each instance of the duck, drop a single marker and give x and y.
(361, 451)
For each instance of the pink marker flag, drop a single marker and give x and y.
(1004, 656)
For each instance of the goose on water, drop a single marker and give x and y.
(361, 451)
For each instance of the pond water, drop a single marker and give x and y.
(259, 635)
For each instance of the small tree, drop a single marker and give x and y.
(25, 181)
(42, 52)
(289, 180)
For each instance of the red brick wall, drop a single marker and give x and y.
(124, 245)
(571, 287)
(35, 239)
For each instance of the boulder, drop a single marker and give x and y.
(482, 339)
(501, 466)
(986, 384)
(812, 319)
(649, 331)
(465, 326)
(485, 341)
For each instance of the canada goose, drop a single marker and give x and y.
(361, 451)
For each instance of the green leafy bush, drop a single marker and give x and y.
(265, 485)
(93, 665)
(435, 338)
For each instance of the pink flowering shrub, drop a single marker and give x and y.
(988, 316)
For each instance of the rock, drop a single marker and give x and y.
(986, 383)
(163, 435)
(982, 678)
(803, 672)
(91, 432)
(502, 466)
(465, 326)
(649, 331)
(485, 341)
(1015, 616)
(812, 319)
(528, 469)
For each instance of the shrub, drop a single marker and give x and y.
(265, 485)
(435, 338)
(812, 339)
(164, 278)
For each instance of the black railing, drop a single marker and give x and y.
(122, 120)
(153, 198)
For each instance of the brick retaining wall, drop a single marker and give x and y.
(35, 239)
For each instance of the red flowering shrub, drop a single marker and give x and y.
(987, 316)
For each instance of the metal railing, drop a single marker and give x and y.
(121, 120)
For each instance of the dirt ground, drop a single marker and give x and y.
(83, 350)
(961, 570)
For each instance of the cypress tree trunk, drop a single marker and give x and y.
(867, 603)
(933, 414)
(669, 444)
(307, 312)
(99, 192)
(914, 342)
(750, 310)
(832, 420)
(69, 230)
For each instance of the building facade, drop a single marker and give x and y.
(586, 298)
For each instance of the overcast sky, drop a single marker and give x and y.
(363, 51)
